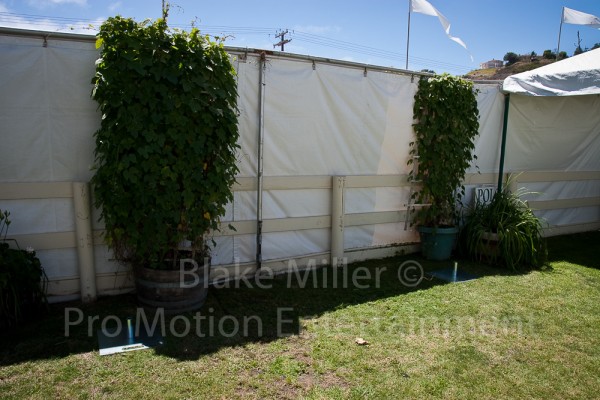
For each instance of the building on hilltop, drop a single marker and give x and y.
(492, 64)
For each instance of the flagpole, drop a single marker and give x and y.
(408, 35)
(562, 17)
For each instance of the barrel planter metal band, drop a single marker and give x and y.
(176, 291)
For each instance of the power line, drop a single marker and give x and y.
(303, 37)
(367, 50)
(223, 30)
(37, 19)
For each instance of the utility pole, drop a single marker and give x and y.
(165, 9)
(283, 40)
(578, 49)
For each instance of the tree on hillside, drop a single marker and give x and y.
(511, 58)
(549, 55)
(562, 55)
(533, 57)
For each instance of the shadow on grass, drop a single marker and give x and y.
(580, 248)
(244, 312)
(249, 312)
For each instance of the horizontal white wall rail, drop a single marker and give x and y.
(62, 240)
(336, 221)
(43, 190)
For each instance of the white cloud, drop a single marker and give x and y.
(48, 25)
(317, 30)
(78, 2)
(3, 8)
(48, 3)
(114, 6)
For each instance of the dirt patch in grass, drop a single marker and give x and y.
(288, 371)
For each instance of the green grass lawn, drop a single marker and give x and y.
(503, 335)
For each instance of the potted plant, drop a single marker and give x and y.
(446, 123)
(165, 156)
(504, 232)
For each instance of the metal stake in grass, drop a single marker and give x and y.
(455, 271)
(451, 274)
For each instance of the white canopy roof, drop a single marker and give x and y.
(578, 75)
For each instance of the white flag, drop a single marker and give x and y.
(424, 7)
(571, 16)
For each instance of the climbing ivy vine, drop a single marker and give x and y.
(446, 124)
(165, 156)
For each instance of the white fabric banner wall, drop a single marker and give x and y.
(329, 121)
(46, 121)
(320, 120)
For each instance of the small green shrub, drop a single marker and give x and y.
(504, 232)
(511, 58)
(22, 280)
(549, 55)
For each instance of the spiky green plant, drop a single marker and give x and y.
(505, 232)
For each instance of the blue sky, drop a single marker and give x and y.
(372, 32)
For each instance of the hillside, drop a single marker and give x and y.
(501, 73)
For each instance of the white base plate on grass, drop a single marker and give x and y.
(112, 341)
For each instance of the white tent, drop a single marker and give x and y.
(554, 126)
(579, 75)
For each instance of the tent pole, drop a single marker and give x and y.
(503, 145)
(408, 35)
(259, 167)
(562, 17)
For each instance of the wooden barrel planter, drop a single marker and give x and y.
(176, 291)
(489, 250)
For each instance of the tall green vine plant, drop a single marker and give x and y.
(166, 149)
(446, 124)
